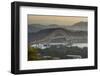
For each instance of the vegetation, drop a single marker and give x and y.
(54, 52)
(63, 51)
(33, 53)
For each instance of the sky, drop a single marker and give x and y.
(59, 20)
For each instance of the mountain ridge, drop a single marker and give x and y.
(81, 26)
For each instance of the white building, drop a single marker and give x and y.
(43, 46)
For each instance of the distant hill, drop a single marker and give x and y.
(38, 27)
(35, 27)
(80, 26)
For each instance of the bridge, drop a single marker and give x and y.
(58, 37)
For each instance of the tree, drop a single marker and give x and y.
(33, 53)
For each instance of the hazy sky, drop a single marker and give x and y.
(60, 20)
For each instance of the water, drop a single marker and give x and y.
(81, 45)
